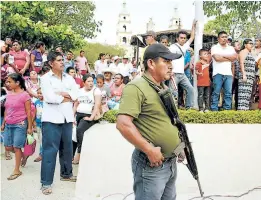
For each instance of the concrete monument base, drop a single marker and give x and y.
(228, 158)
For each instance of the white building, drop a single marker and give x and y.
(124, 29)
(150, 25)
(175, 21)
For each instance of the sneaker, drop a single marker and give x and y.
(207, 111)
(201, 111)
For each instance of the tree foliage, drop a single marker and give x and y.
(33, 21)
(77, 14)
(235, 27)
(239, 18)
(92, 51)
(242, 9)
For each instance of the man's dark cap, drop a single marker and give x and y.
(151, 33)
(159, 50)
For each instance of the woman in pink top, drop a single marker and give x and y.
(21, 58)
(116, 92)
(17, 119)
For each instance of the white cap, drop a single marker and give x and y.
(116, 57)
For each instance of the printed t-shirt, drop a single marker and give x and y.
(86, 100)
(39, 109)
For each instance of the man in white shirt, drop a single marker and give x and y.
(115, 65)
(178, 65)
(223, 55)
(100, 64)
(59, 91)
(124, 69)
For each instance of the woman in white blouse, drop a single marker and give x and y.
(87, 107)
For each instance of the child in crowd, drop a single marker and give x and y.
(105, 92)
(203, 83)
(32, 84)
(134, 73)
(17, 121)
(38, 121)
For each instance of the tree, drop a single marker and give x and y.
(235, 27)
(241, 16)
(242, 9)
(77, 14)
(92, 51)
(28, 22)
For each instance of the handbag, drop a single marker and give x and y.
(29, 149)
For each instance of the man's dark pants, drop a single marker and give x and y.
(56, 137)
(235, 91)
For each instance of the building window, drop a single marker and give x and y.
(125, 28)
(124, 40)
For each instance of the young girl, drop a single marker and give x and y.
(32, 84)
(105, 92)
(17, 120)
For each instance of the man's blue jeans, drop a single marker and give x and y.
(153, 183)
(182, 80)
(220, 81)
(56, 137)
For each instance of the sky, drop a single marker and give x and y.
(161, 11)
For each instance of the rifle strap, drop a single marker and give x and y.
(160, 89)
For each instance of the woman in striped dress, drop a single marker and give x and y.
(246, 75)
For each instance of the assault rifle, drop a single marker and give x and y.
(168, 101)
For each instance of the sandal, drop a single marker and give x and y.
(46, 190)
(38, 159)
(14, 176)
(71, 179)
(75, 162)
(8, 157)
(24, 160)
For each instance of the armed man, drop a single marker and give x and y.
(143, 121)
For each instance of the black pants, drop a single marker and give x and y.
(74, 144)
(203, 97)
(82, 126)
(235, 91)
(181, 96)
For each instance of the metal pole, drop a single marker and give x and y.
(199, 16)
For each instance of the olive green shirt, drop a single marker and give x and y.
(143, 103)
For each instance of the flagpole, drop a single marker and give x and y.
(198, 43)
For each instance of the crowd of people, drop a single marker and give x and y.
(227, 74)
(55, 92)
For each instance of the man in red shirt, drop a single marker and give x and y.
(21, 58)
(71, 72)
(203, 83)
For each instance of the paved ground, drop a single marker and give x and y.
(228, 157)
(27, 186)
